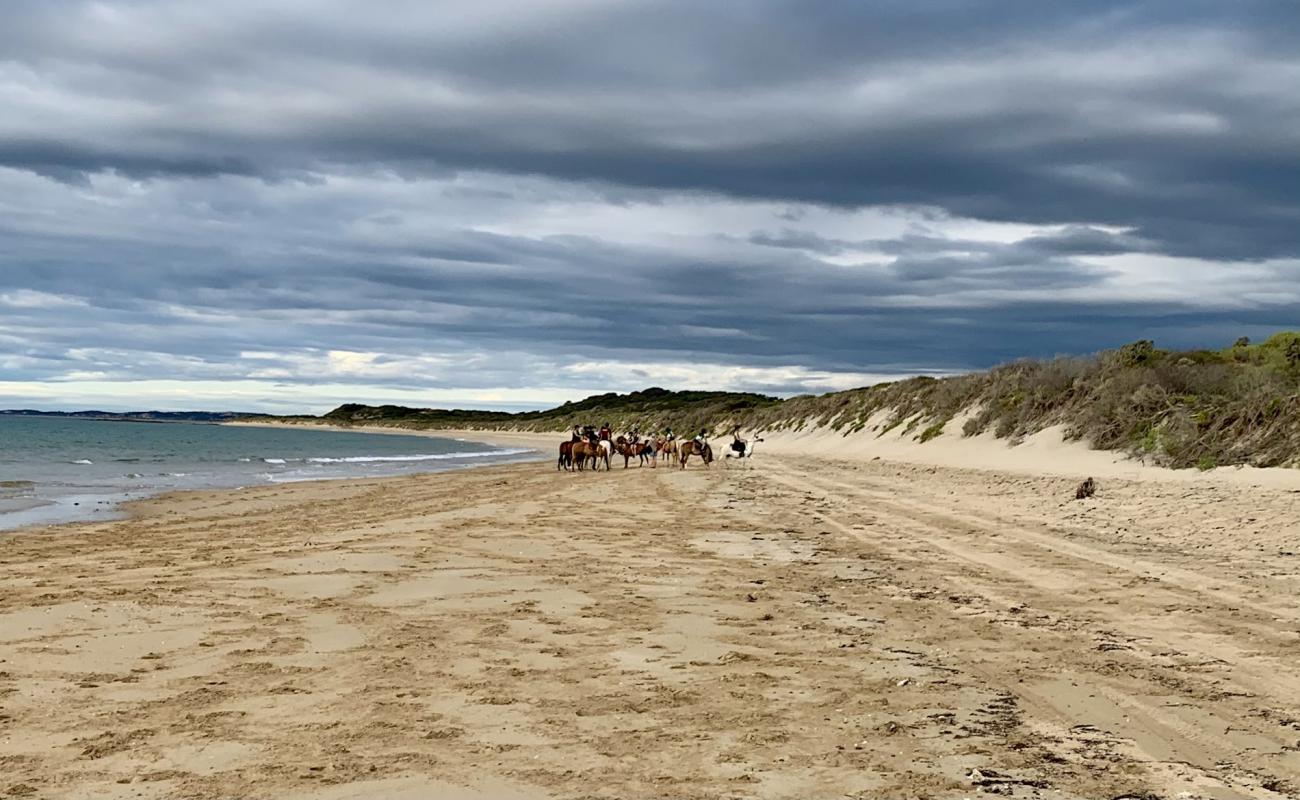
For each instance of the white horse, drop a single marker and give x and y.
(748, 452)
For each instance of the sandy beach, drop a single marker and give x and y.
(501, 438)
(814, 626)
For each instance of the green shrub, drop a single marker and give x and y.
(931, 432)
(1135, 354)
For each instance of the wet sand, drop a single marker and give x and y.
(804, 628)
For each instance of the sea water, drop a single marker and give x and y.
(56, 469)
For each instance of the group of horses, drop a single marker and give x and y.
(587, 454)
(582, 454)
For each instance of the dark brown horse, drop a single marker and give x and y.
(629, 450)
(594, 452)
(566, 456)
(692, 448)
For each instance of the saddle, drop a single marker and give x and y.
(739, 447)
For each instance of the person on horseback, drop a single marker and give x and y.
(606, 432)
(669, 435)
(589, 433)
(738, 444)
(577, 433)
(701, 440)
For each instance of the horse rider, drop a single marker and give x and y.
(738, 444)
(606, 432)
(701, 440)
(669, 435)
(577, 433)
(589, 432)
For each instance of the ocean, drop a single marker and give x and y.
(60, 470)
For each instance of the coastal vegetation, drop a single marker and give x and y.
(651, 409)
(1192, 409)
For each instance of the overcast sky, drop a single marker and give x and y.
(283, 206)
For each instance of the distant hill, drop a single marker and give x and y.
(135, 416)
(650, 409)
(1198, 408)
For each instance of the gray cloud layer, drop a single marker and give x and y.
(847, 187)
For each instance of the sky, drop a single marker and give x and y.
(509, 204)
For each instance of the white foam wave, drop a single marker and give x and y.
(83, 461)
(431, 457)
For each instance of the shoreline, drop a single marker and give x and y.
(114, 505)
(543, 441)
(1044, 453)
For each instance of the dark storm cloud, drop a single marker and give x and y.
(486, 291)
(1164, 116)
(185, 183)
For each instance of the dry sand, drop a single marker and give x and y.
(805, 628)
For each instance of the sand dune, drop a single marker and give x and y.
(805, 628)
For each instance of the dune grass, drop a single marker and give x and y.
(1200, 408)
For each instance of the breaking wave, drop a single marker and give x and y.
(437, 457)
(397, 459)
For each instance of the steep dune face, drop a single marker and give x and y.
(1047, 452)
(1203, 409)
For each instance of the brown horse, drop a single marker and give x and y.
(566, 456)
(690, 448)
(629, 450)
(666, 448)
(594, 452)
